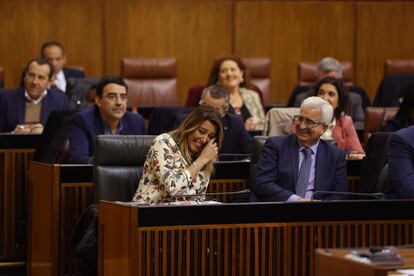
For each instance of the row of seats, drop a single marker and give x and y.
(157, 78)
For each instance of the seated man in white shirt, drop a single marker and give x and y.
(53, 52)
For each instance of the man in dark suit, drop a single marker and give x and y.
(236, 139)
(296, 166)
(401, 164)
(108, 116)
(53, 52)
(26, 109)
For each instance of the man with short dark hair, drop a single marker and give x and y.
(53, 52)
(26, 109)
(296, 166)
(236, 139)
(108, 116)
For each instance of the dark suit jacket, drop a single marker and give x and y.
(401, 164)
(236, 139)
(73, 73)
(277, 170)
(13, 107)
(88, 124)
(391, 89)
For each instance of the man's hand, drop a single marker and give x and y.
(29, 128)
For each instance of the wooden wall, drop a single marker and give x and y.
(98, 33)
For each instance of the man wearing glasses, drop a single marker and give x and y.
(108, 116)
(296, 166)
(236, 140)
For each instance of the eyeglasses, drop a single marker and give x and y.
(113, 97)
(297, 119)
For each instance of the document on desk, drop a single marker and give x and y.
(194, 202)
(181, 202)
(408, 272)
(132, 203)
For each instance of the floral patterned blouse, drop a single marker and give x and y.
(165, 175)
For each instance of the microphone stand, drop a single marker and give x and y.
(372, 195)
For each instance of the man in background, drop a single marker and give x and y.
(108, 116)
(236, 139)
(53, 52)
(330, 67)
(26, 109)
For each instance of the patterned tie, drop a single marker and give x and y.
(304, 171)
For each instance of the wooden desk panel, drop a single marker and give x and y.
(13, 178)
(278, 242)
(222, 249)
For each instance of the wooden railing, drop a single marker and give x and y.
(281, 247)
(15, 153)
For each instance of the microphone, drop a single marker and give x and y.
(235, 157)
(370, 195)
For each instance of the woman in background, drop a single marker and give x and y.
(341, 129)
(180, 163)
(232, 74)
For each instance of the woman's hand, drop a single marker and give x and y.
(251, 123)
(209, 153)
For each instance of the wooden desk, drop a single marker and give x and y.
(58, 195)
(15, 153)
(331, 261)
(243, 239)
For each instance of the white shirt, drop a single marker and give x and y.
(27, 96)
(60, 81)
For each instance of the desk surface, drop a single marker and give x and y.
(352, 210)
(21, 141)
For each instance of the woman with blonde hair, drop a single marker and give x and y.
(180, 163)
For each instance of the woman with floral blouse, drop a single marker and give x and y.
(180, 162)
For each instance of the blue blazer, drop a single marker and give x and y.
(13, 107)
(401, 164)
(236, 139)
(88, 124)
(278, 165)
(73, 73)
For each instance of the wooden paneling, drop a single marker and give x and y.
(27, 24)
(195, 32)
(384, 31)
(98, 33)
(13, 179)
(268, 248)
(290, 32)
